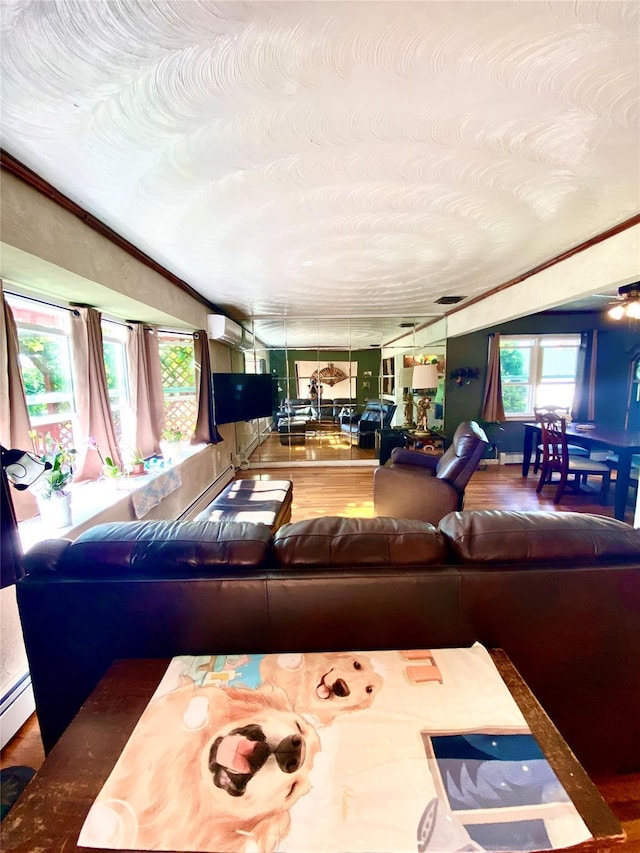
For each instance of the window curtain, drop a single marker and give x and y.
(92, 395)
(584, 397)
(206, 430)
(492, 406)
(14, 433)
(14, 417)
(145, 381)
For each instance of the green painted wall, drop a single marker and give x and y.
(283, 367)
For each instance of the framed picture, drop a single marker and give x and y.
(388, 375)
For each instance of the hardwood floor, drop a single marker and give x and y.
(347, 491)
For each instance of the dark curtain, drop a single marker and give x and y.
(584, 398)
(492, 406)
(206, 430)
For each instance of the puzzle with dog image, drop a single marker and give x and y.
(332, 752)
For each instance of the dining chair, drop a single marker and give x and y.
(557, 460)
(557, 412)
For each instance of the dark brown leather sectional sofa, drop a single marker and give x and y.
(560, 592)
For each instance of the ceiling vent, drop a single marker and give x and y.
(221, 328)
(449, 300)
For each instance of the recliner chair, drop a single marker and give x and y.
(418, 485)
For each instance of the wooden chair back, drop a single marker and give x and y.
(548, 413)
(557, 458)
(555, 454)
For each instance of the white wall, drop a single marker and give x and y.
(607, 264)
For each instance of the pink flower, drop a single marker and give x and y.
(92, 443)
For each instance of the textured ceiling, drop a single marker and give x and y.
(332, 159)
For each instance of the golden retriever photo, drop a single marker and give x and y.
(207, 769)
(324, 684)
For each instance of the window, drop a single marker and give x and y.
(537, 370)
(44, 338)
(114, 351)
(45, 362)
(179, 382)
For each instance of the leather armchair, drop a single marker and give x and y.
(342, 406)
(362, 428)
(294, 407)
(417, 485)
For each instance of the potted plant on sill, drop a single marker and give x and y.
(52, 494)
(110, 470)
(135, 464)
(172, 443)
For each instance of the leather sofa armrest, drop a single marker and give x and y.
(403, 491)
(403, 456)
(45, 556)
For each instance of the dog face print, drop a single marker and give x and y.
(324, 684)
(209, 769)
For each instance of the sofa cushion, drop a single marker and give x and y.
(492, 536)
(161, 549)
(334, 541)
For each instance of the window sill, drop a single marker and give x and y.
(91, 499)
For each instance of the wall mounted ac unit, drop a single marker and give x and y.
(247, 340)
(221, 328)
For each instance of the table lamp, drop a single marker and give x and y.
(425, 377)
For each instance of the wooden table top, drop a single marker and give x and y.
(51, 811)
(602, 435)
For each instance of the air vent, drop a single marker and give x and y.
(449, 300)
(407, 325)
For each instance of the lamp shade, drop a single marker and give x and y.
(425, 376)
(406, 377)
(23, 468)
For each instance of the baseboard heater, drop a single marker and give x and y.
(511, 458)
(205, 498)
(16, 706)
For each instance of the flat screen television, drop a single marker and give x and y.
(241, 397)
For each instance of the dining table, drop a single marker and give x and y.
(624, 443)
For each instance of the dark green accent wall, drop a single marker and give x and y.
(368, 360)
(612, 372)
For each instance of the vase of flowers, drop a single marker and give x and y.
(52, 493)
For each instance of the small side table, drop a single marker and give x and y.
(427, 442)
(387, 439)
